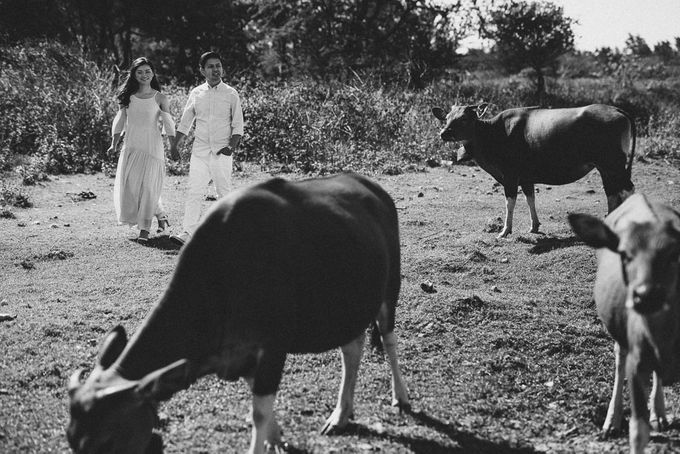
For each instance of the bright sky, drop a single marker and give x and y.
(608, 22)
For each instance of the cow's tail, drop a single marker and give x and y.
(375, 338)
(633, 132)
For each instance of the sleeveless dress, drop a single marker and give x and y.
(141, 165)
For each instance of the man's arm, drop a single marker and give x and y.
(185, 123)
(176, 144)
(234, 141)
(236, 128)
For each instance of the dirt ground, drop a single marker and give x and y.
(506, 355)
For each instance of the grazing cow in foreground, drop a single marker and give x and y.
(524, 146)
(281, 267)
(637, 292)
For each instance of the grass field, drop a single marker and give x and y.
(506, 356)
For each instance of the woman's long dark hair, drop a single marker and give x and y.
(131, 85)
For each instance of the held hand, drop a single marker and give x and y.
(227, 151)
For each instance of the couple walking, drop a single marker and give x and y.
(213, 106)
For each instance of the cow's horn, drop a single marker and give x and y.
(74, 382)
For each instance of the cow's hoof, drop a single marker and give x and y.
(277, 448)
(609, 433)
(332, 429)
(659, 424)
(504, 234)
(336, 423)
(403, 406)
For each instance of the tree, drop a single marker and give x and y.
(636, 45)
(530, 34)
(340, 37)
(664, 50)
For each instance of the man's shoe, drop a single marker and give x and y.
(180, 239)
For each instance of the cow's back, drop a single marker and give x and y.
(304, 265)
(558, 146)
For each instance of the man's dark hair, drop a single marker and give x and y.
(208, 55)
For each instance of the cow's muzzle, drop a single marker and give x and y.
(447, 135)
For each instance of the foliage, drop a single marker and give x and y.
(637, 46)
(15, 196)
(408, 41)
(663, 135)
(56, 108)
(307, 125)
(530, 34)
(322, 128)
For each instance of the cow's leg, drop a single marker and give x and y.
(385, 321)
(657, 405)
(344, 409)
(617, 186)
(510, 200)
(638, 381)
(530, 194)
(266, 433)
(612, 422)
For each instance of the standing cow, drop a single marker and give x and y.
(637, 293)
(274, 269)
(524, 146)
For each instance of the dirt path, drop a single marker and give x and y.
(506, 355)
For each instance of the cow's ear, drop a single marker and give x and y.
(113, 345)
(593, 231)
(162, 384)
(439, 113)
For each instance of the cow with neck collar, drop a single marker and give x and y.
(529, 145)
(277, 268)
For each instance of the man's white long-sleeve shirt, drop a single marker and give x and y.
(218, 115)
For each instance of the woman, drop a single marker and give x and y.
(141, 165)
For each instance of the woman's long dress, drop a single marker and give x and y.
(141, 166)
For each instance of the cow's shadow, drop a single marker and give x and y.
(466, 442)
(547, 243)
(163, 243)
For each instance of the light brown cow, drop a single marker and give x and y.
(637, 292)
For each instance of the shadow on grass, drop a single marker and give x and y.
(549, 243)
(466, 442)
(163, 243)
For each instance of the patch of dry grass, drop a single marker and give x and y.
(506, 356)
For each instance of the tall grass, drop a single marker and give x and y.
(56, 109)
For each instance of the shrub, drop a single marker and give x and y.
(55, 106)
(15, 196)
(663, 140)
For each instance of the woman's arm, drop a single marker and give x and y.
(166, 118)
(117, 128)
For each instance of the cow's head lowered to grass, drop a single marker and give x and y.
(277, 268)
(110, 414)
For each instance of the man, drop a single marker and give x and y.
(216, 109)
